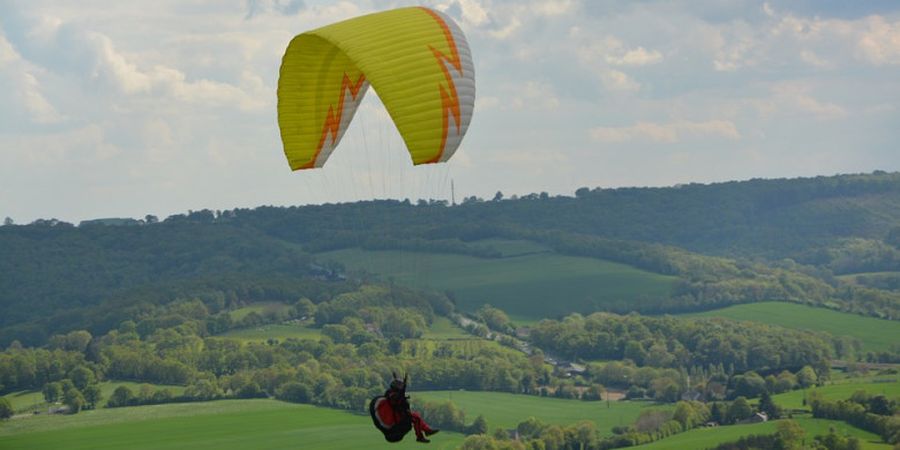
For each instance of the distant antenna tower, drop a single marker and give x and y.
(452, 193)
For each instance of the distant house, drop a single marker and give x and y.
(756, 418)
(570, 369)
(62, 409)
(523, 332)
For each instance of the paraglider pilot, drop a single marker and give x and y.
(392, 415)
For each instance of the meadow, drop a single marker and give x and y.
(261, 308)
(220, 425)
(441, 329)
(841, 391)
(508, 410)
(703, 438)
(530, 284)
(874, 334)
(280, 332)
(34, 400)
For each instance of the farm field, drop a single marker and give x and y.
(281, 332)
(838, 391)
(508, 410)
(23, 400)
(442, 328)
(221, 425)
(529, 286)
(703, 438)
(875, 334)
(260, 308)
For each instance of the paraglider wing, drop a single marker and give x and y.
(416, 59)
(394, 425)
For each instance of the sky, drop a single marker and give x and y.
(122, 109)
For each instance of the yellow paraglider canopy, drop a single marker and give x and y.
(416, 59)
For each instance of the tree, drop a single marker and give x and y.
(122, 396)
(479, 442)
(715, 413)
(74, 400)
(739, 410)
(304, 308)
(530, 428)
(893, 237)
(499, 196)
(880, 405)
(6, 409)
(495, 318)
(790, 433)
(294, 392)
(8, 221)
(76, 341)
(748, 385)
(52, 392)
(82, 377)
(768, 406)
(92, 395)
(806, 377)
(479, 426)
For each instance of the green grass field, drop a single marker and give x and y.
(838, 391)
(875, 334)
(703, 438)
(31, 400)
(507, 410)
(260, 308)
(221, 425)
(281, 332)
(513, 247)
(530, 286)
(443, 329)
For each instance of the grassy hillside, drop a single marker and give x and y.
(441, 329)
(840, 391)
(875, 334)
(273, 331)
(31, 400)
(532, 285)
(261, 308)
(507, 410)
(222, 425)
(702, 438)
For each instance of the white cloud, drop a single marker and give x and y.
(813, 59)
(473, 13)
(617, 81)
(795, 98)
(553, 7)
(614, 52)
(532, 95)
(485, 103)
(666, 132)
(506, 31)
(880, 43)
(23, 90)
(76, 147)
